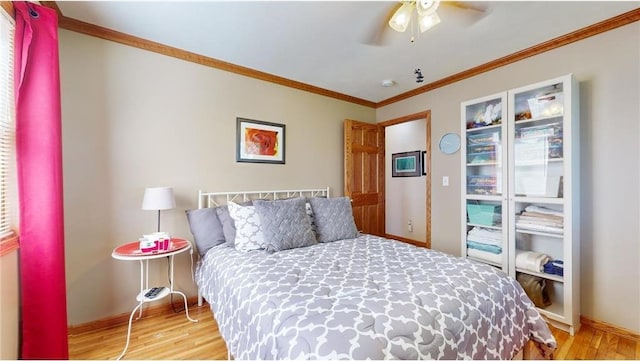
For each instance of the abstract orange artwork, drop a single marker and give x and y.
(259, 142)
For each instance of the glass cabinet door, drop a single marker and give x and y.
(538, 142)
(484, 176)
(541, 230)
(484, 142)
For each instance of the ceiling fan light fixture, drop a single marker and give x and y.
(401, 18)
(427, 21)
(426, 7)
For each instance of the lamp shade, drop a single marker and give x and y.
(158, 198)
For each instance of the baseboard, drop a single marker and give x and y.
(406, 240)
(149, 310)
(607, 327)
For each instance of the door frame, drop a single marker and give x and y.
(427, 167)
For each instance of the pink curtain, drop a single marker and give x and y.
(39, 157)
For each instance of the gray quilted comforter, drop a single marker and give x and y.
(366, 298)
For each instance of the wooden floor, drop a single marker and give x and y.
(159, 337)
(172, 336)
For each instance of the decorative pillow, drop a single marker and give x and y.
(334, 219)
(285, 224)
(248, 231)
(206, 228)
(228, 226)
(309, 211)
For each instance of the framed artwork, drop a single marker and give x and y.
(406, 164)
(259, 142)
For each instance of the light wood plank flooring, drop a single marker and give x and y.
(171, 336)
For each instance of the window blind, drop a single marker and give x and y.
(7, 126)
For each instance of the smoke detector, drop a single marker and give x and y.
(388, 83)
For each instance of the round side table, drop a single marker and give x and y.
(131, 252)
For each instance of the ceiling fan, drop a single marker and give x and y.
(401, 16)
(427, 15)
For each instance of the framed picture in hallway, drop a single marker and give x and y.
(406, 164)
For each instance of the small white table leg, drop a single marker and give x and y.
(143, 286)
(186, 307)
(184, 297)
(126, 346)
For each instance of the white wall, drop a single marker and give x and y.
(406, 196)
(9, 306)
(134, 119)
(608, 69)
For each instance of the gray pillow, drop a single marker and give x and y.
(228, 226)
(285, 224)
(206, 228)
(333, 218)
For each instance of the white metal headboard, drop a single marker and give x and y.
(215, 199)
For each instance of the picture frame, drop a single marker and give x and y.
(259, 141)
(424, 162)
(406, 164)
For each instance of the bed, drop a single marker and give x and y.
(346, 295)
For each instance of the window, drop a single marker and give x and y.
(8, 199)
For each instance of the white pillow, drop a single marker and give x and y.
(249, 235)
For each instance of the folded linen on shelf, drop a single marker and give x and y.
(482, 255)
(531, 261)
(484, 247)
(541, 219)
(555, 267)
(539, 228)
(544, 210)
(526, 217)
(484, 235)
(548, 217)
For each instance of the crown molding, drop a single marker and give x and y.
(122, 38)
(586, 32)
(126, 39)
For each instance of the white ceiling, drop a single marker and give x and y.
(332, 44)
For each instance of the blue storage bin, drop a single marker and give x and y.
(484, 214)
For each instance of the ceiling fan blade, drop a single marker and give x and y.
(479, 6)
(466, 13)
(376, 35)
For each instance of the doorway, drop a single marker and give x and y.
(408, 199)
(364, 176)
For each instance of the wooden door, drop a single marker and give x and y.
(364, 174)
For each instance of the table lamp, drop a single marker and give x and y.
(157, 199)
